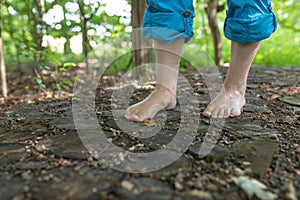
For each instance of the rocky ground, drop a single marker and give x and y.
(257, 155)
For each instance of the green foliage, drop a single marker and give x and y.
(50, 71)
(63, 19)
(281, 49)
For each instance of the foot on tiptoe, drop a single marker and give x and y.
(160, 99)
(228, 103)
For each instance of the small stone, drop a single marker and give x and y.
(285, 120)
(252, 86)
(217, 152)
(11, 186)
(26, 188)
(10, 153)
(238, 171)
(4, 121)
(248, 170)
(144, 188)
(291, 192)
(183, 165)
(65, 183)
(178, 186)
(196, 195)
(65, 123)
(291, 100)
(67, 146)
(256, 109)
(258, 153)
(127, 185)
(30, 165)
(248, 130)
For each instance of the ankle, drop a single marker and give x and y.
(165, 90)
(235, 90)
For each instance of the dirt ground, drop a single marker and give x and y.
(257, 155)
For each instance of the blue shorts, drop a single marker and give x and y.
(246, 20)
(166, 20)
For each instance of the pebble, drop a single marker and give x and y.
(291, 100)
(258, 154)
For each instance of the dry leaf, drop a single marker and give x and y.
(254, 187)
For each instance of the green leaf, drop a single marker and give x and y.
(69, 64)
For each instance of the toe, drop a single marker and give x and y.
(137, 118)
(133, 115)
(221, 112)
(208, 111)
(215, 113)
(235, 112)
(226, 112)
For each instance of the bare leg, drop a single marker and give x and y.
(164, 95)
(231, 99)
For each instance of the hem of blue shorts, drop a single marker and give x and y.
(163, 35)
(167, 26)
(250, 30)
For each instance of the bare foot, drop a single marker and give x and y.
(226, 104)
(161, 98)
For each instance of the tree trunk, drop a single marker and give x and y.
(67, 45)
(37, 24)
(85, 39)
(2, 62)
(40, 4)
(211, 11)
(11, 30)
(142, 51)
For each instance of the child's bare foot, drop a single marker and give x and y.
(226, 104)
(161, 98)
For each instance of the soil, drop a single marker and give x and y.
(42, 155)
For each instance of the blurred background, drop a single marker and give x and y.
(43, 42)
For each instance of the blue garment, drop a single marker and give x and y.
(166, 20)
(249, 20)
(246, 20)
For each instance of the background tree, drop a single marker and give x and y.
(142, 52)
(212, 10)
(28, 25)
(2, 62)
(86, 13)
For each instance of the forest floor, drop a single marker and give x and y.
(257, 155)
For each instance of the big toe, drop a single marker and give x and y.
(133, 115)
(235, 112)
(207, 112)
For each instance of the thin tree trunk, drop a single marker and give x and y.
(85, 39)
(67, 45)
(211, 11)
(11, 30)
(3, 70)
(40, 4)
(2, 62)
(32, 21)
(142, 53)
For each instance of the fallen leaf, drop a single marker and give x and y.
(149, 122)
(254, 187)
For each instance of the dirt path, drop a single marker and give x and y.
(42, 156)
